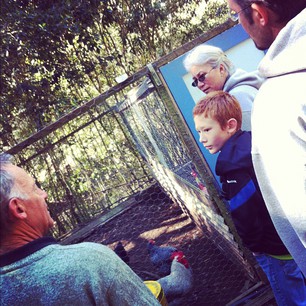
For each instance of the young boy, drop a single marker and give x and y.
(218, 120)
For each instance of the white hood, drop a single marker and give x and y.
(276, 60)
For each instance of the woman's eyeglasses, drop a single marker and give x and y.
(201, 78)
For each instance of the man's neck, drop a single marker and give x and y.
(13, 242)
(10, 246)
(11, 256)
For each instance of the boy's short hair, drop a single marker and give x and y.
(220, 106)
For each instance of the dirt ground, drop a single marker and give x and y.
(217, 280)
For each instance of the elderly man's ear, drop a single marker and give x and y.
(17, 209)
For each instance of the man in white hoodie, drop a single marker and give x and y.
(279, 113)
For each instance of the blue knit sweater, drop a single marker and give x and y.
(46, 273)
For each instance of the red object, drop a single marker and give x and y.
(200, 184)
(180, 257)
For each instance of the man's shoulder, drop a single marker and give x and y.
(92, 255)
(84, 251)
(86, 247)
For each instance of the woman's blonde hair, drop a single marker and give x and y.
(206, 54)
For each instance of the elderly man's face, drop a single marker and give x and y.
(38, 218)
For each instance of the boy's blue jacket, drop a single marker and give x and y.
(240, 188)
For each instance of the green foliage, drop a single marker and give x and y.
(57, 54)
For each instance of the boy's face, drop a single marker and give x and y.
(211, 135)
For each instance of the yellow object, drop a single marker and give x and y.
(157, 291)
(282, 257)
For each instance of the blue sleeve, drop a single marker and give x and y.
(245, 205)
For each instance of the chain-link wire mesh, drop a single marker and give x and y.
(156, 137)
(87, 165)
(217, 278)
(91, 179)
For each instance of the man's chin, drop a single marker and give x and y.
(261, 47)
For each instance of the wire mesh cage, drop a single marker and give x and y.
(177, 211)
(141, 186)
(217, 279)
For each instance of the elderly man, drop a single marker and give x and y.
(35, 270)
(279, 113)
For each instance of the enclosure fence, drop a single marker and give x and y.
(117, 147)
